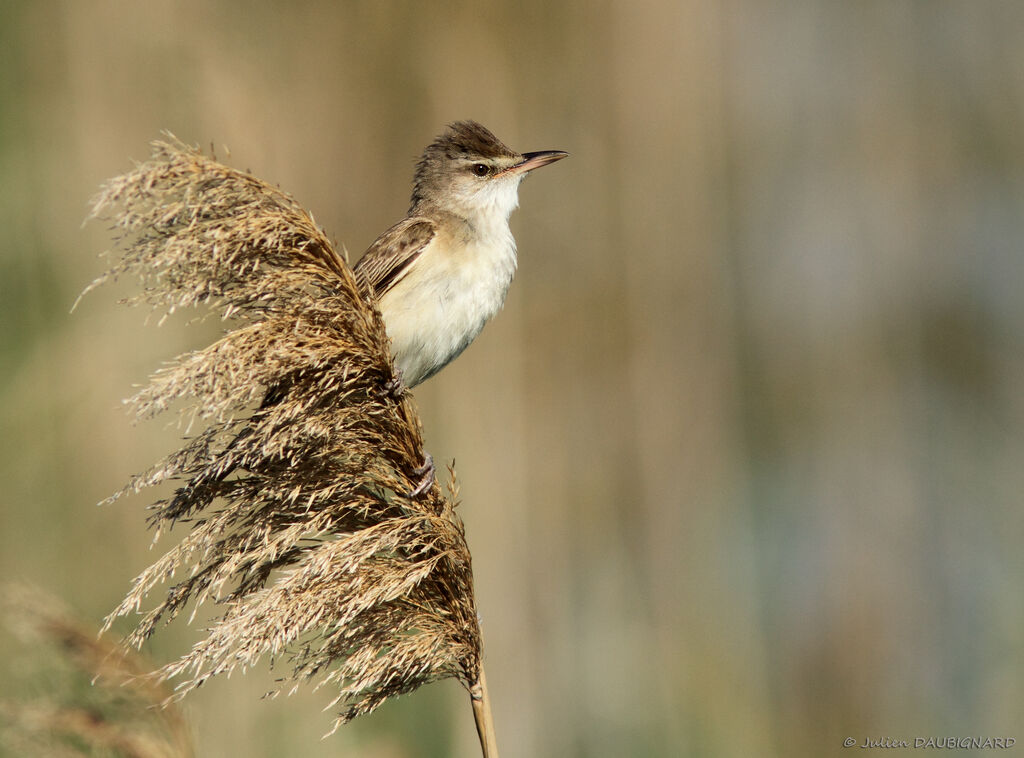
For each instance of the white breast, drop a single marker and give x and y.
(450, 292)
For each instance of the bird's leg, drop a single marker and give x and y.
(395, 388)
(426, 474)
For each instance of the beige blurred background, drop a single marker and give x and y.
(742, 459)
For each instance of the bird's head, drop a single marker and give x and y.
(471, 173)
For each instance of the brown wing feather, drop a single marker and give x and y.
(388, 259)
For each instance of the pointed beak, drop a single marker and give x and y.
(536, 160)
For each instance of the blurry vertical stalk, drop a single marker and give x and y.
(294, 492)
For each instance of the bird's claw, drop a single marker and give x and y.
(395, 388)
(426, 474)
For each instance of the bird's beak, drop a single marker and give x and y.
(536, 160)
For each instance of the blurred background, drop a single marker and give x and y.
(742, 459)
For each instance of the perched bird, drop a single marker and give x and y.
(443, 271)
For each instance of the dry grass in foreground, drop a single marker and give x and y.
(98, 699)
(293, 491)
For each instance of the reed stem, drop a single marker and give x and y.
(482, 713)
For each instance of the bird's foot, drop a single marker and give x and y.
(396, 387)
(426, 474)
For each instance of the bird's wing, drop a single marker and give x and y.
(388, 259)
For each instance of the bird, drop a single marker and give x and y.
(442, 272)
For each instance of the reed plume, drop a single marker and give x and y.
(295, 489)
(116, 716)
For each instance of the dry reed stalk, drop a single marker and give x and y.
(298, 520)
(118, 715)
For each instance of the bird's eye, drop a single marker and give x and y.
(481, 169)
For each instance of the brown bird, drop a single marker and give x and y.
(443, 271)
